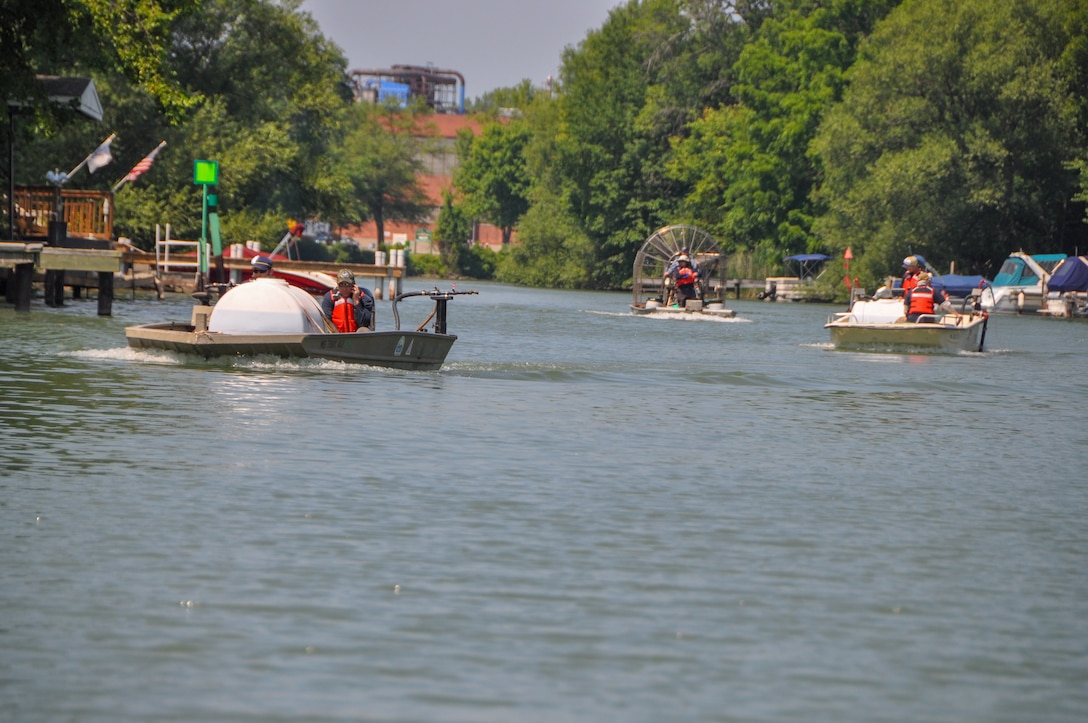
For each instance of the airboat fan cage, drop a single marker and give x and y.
(661, 249)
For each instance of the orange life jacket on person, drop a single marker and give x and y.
(685, 276)
(343, 315)
(921, 300)
(910, 281)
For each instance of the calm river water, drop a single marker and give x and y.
(584, 516)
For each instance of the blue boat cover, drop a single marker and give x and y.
(958, 285)
(1072, 275)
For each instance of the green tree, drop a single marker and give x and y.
(493, 176)
(610, 157)
(130, 37)
(506, 99)
(452, 231)
(379, 157)
(267, 116)
(748, 163)
(955, 136)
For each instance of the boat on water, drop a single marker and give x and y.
(652, 287)
(1067, 289)
(1021, 283)
(799, 286)
(879, 325)
(270, 316)
(957, 287)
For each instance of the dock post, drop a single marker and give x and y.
(105, 293)
(54, 287)
(23, 283)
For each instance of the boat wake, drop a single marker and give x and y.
(258, 362)
(673, 316)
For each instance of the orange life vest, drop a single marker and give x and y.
(343, 315)
(685, 276)
(921, 300)
(910, 281)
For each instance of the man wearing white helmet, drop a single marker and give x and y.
(910, 275)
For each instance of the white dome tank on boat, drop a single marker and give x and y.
(267, 306)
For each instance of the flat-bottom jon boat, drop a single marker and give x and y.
(270, 317)
(878, 325)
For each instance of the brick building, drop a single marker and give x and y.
(438, 164)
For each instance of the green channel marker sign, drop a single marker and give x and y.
(205, 173)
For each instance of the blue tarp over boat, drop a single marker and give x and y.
(958, 285)
(1072, 275)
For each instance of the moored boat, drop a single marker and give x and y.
(1021, 283)
(653, 290)
(270, 316)
(1067, 289)
(879, 325)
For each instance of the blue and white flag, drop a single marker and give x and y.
(101, 156)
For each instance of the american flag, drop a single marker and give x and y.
(144, 165)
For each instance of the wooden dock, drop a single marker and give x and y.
(20, 260)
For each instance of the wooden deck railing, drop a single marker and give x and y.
(89, 214)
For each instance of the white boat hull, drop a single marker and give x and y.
(950, 333)
(715, 310)
(1013, 299)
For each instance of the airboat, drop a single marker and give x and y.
(652, 287)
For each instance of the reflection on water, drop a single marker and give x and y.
(585, 515)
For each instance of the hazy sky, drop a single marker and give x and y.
(492, 43)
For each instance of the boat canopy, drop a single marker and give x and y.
(1017, 272)
(807, 263)
(1071, 275)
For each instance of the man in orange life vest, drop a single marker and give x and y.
(924, 299)
(348, 306)
(910, 276)
(684, 278)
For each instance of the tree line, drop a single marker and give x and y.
(951, 128)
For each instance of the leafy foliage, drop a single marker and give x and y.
(955, 136)
(493, 176)
(378, 158)
(953, 128)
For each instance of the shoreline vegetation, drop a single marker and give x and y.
(780, 128)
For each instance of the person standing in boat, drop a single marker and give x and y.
(349, 306)
(685, 280)
(262, 268)
(923, 299)
(910, 275)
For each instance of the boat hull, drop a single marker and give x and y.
(675, 311)
(949, 335)
(413, 350)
